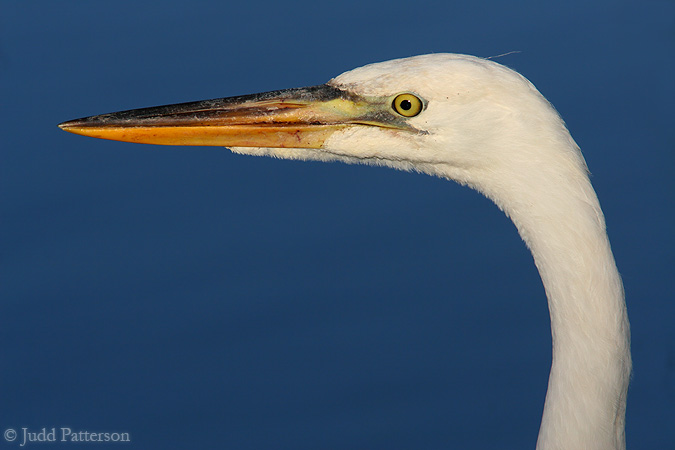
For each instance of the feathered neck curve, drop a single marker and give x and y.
(557, 213)
(500, 136)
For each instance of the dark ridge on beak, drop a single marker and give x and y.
(205, 110)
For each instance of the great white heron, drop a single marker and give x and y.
(481, 124)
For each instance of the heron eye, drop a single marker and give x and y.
(407, 105)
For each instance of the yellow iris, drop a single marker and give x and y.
(407, 105)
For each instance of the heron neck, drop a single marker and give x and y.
(561, 221)
(586, 397)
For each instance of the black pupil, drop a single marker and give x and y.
(405, 105)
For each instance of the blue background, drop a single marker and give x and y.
(196, 298)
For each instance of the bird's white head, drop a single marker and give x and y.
(456, 116)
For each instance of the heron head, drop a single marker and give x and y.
(444, 114)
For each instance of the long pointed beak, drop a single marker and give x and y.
(298, 118)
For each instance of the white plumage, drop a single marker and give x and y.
(482, 125)
(486, 126)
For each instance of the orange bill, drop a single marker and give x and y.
(297, 118)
